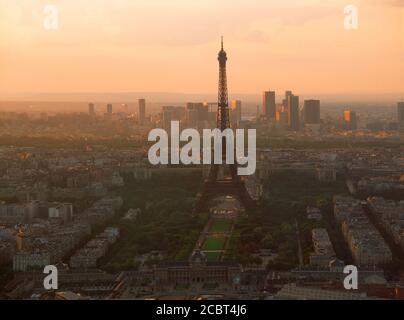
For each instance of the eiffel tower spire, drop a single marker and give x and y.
(223, 118)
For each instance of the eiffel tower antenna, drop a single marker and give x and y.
(223, 117)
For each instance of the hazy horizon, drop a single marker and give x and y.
(162, 96)
(149, 46)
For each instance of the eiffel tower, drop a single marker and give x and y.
(223, 179)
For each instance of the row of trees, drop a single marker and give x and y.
(272, 226)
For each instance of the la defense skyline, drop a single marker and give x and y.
(292, 113)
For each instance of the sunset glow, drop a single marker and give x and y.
(160, 45)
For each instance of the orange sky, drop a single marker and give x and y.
(171, 45)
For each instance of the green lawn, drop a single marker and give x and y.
(214, 243)
(221, 225)
(212, 256)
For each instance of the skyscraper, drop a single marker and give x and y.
(285, 101)
(212, 113)
(311, 111)
(293, 111)
(235, 112)
(268, 104)
(91, 109)
(192, 118)
(197, 115)
(350, 120)
(142, 111)
(168, 116)
(400, 114)
(172, 113)
(282, 119)
(109, 109)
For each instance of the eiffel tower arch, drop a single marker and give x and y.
(229, 183)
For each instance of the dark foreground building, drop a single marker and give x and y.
(198, 270)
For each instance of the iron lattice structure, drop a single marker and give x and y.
(232, 185)
(223, 117)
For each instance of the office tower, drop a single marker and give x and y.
(350, 119)
(196, 114)
(192, 118)
(400, 112)
(191, 115)
(172, 113)
(212, 106)
(235, 109)
(109, 109)
(203, 112)
(212, 113)
(268, 104)
(142, 111)
(311, 111)
(167, 118)
(285, 101)
(293, 111)
(91, 109)
(201, 108)
(282, 119)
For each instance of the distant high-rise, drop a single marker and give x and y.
(201, 108)
(293, 111)
(197, 114)
(350, 120)
(311, 111)
(400, 113)
(268, 105)
(91, 109)
(168, 116)
(212, 113)
(109, 108)
(282, 119)
(285, 101)
(235, 109)
(142, 111)
(172, 113)
(192, 118)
